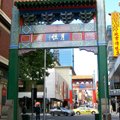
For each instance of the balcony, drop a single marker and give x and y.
(110, 54)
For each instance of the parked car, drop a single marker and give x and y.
(61, 111)
(85, 110)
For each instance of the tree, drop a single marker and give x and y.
(31, 64)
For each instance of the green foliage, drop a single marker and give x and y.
(31, 64)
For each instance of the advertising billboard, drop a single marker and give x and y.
(115, 16)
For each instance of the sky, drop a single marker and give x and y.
(85, 63)
(111, 6)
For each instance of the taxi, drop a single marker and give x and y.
(85, 110)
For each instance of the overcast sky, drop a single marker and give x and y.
(85, 62)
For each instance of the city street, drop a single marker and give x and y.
(81, 117)
(60, 60)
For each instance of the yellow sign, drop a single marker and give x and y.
(115, 16)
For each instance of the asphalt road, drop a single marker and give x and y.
(81, 117)
(67, 118)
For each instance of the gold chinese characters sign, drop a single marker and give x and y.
(115, 16)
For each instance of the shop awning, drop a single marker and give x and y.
(28, 94)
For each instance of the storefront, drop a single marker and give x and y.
(3, 88)
(114, 78)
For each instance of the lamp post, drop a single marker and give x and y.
(106, 99)
(44, 84)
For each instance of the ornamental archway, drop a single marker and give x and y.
(28, 33)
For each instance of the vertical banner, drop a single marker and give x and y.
(115, 16)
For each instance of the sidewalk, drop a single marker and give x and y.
(30, 116)
(114, 114)
(41, 114)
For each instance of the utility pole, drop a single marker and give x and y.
(106, 100)
(44, 95)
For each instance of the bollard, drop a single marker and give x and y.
(97, 116)
(25, 117)
(108, 116)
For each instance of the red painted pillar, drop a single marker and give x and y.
(94, 97)
(71, 102)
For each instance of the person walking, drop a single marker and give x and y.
(118, 110)
(37, 111)
(24, 108)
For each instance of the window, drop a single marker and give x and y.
(0, 4)
(117, 85)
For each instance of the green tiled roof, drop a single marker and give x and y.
(50, 10)
(52, 3)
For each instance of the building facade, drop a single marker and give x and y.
(66, 72)
(113, 72)
(5, 23)
(57, 89)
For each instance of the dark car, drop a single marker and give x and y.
(61, 111)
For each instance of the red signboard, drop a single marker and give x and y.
(57, 37)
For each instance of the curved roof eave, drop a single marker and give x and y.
(53, 3)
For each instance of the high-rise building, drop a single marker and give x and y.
(64, 56)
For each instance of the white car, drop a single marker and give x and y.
(61, 111)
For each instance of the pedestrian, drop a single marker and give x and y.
(24, 111)
(111, 109)
(119, 110)
(24, 108)
(37, 111)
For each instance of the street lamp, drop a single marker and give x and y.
(44, 84)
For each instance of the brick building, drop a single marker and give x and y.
(5, 23)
